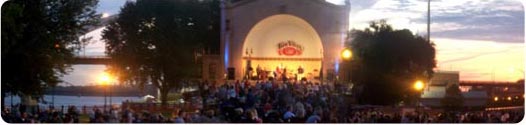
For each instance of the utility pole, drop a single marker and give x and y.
(428, 20)
(493, 74)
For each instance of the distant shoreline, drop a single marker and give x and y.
(99, 91)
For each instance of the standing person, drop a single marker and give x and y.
(259, 72)
(126, 116)
(84, 109)
(113, 116)
(55, 118)
(264, 74)
(180, 117)
(250, 72)
(278, 72)
(73, 112)
(300, 73)
(92, 114)
(284, 74)
(23, 118)
(252, 117)
(289, 114)
(315, 117)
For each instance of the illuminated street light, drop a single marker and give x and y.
(496, 99)
(509, 98)
(105, 79)
(346, 54)
(419, 85)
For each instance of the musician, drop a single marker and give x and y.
(284, 74)
(249, 73)
(300, 72)
(259, 72)
(279, 71)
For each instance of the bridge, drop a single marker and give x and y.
(491, 84)
(95, 60)
(496, 88)
(499, 93)
(91, 60)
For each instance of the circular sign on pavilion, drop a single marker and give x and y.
(289, 48)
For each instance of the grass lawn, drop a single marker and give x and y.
(84, 118)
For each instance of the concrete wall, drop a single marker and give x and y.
(212, 62)
(445, 78)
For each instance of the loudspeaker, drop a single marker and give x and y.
(231, 73)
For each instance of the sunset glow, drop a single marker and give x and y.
(481, 60)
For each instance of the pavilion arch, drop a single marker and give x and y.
(318, 26)
(261, 45)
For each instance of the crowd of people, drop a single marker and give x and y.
(49, 115)
(262, 102)
(374, 116)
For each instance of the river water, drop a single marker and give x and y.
(75, 100)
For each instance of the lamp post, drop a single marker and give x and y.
(53, 97)
(110, 90)
(347, 56)
(249, 65)
(105, 80)
(321, 68)
(418, 86)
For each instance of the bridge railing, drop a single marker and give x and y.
(485, 82)
(93, 57)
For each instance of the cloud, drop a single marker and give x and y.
(495, 20)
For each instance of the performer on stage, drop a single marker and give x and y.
(300, 73)
(284, 74)
(259, 72)
(250, 72)
(279, 71)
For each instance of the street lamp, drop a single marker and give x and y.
(346, 55)
(418, 86)
(249, 65)
(105, 79)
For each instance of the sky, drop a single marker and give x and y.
(482, 39)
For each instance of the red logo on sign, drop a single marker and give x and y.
(289, 48)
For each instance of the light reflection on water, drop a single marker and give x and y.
(75, 100)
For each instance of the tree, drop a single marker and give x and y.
(38, 41)
(387, 62)
(157, 41)
(453, 100)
